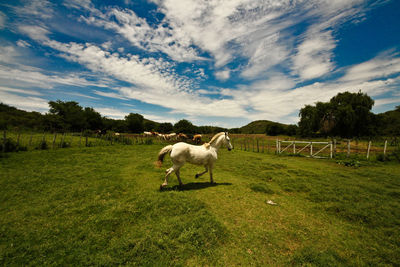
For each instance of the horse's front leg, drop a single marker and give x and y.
(200, 174)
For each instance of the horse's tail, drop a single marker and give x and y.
(164, 151)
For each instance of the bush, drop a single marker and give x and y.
(381, 157)
(148, 141)
(42, 145)
(396, 154)
(11, 146)
(349, 163)
(65, 144)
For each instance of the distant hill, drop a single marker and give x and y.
(259, 127)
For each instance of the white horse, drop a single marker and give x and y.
(205, 155)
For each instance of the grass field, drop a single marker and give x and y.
(102, 206)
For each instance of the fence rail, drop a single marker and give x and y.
(316, 148)
(16, 141)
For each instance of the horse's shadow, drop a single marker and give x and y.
(191, 186)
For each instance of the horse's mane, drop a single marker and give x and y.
(215, 137)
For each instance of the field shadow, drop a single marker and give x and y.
(192, 186)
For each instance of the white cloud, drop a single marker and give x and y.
(34, 32)
(21, 91)
(22, 43)
(3, 19)
(37, 8)
(82, 95)
(383, 65)
(385, 101)
(26, 103)
(111, 113)
(110, 94)
(314, 55)
(222, 75)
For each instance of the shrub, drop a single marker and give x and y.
(396, 154)
(11, 146)
(148, 141)
(349, 163)
(65, 144)
(380, 157)
(42, 145)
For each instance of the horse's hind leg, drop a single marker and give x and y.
(211, 176)
(200, 174)
(178, 174)
(174, 168)
(168, 172)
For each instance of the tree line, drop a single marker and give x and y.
(69, 116)
(345, 115)
(348, 115)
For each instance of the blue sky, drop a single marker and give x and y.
(212, 62)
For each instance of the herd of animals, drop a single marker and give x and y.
(173, 136)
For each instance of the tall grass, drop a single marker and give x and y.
(101, 206)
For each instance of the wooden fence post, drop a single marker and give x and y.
(258, 148)
(62, 140)
(54, 140)
(348, 148)
(384, 149)
(311, 149)
(294, 147)
(18, 137)
(331, 150)
(4, 140)
(30, 139)
(334, 147)
(369, 147)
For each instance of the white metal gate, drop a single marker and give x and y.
(306, 144)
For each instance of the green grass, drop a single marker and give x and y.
(102, 206)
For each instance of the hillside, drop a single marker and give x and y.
(272, 128)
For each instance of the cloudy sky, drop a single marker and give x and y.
(213, 62)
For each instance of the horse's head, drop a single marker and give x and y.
(228, 142)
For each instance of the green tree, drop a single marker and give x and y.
(93, 119)
(352, 114)
(149, 125)
(346, 114)
(184, 126)
(70, 115)
(134, 122)
(291, 130)
(165, 127)
(308, 123)
(274, 129)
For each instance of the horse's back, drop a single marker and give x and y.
(184, 152)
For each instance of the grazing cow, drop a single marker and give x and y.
(197, 138)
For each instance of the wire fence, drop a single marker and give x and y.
(258, 143)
